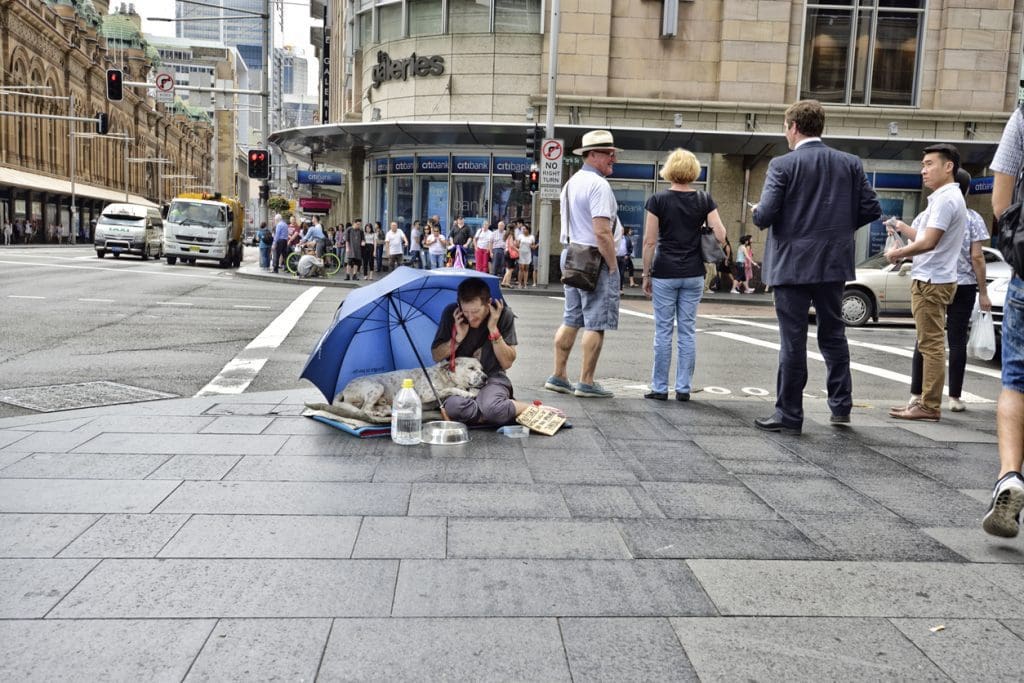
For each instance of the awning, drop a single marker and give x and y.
(43, 183)
(380, 136)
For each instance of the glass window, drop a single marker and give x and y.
(403, 202)
(389, 21)
(424, 17)
(469, 16)
(365, 29)
(508, 201)
(517, 16)
(470, 198)
(434, 199)
(864, 55)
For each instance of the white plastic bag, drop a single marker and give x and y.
(982, 342)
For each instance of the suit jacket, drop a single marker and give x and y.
(813, 201)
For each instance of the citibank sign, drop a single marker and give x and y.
(388, 69)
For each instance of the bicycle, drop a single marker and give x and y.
(332, 264)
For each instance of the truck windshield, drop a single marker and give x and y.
(193, 213)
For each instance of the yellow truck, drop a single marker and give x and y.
(204, 225)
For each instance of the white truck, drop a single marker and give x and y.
(129, 229)
(205, 226)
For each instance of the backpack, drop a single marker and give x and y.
(1011, 224)
(267, 237)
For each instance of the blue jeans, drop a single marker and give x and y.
(436, 261)
(264, 256)
(675, 302)
(1013, 336)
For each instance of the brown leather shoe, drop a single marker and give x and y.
(917, 412)
(910, 404)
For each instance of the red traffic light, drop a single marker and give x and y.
(115, 85)
(259, 164)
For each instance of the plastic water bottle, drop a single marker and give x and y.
(407, 416)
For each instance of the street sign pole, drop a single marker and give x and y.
(544, 234)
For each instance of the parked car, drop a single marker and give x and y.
(882, 288)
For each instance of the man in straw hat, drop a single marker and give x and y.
(589, 218)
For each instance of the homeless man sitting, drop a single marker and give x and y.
(477, 325)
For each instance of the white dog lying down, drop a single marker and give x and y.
(371, 396)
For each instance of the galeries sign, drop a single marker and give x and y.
(388, 69)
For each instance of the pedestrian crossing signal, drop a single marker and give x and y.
(115, 85)
(259, 164)
(102, 123)
(534, 180)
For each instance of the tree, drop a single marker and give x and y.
(280, 205)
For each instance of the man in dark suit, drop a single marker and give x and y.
(813, 201)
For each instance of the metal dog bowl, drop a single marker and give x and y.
(441, 433)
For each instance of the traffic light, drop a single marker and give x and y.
(115, 85)
(264, 191)
(532, 142)
(102, 123)
(534, 180)
(259, 163)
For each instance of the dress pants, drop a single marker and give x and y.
(792, 308)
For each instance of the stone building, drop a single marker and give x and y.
(429, 100)
(67, 46)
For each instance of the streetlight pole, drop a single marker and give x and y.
(549, 132)
(71, 154)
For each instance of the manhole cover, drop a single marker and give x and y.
(82, 395)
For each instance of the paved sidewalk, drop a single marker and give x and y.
(229, 538)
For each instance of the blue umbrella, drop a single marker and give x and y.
(387, 325)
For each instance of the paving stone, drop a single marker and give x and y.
(48, 424)
(68, 495)
(100, 650)
(744, 448)
(264, 536)
(875, 536)
(303, 468)
(126, 536)
(184, 444)
(39, 535)
(295, 425)
(966, 649)
(700, 500)
(52, 442)
(232, 588)
(287, 498)
(255, 408)
(405, 469)
(577, 467)
(331, 443)
(10, 436)
(8, 458)
(636, 425)
(948, 466)
(1016, 626)
(809, 495)
(196, 467)
(624, 649)
(30, 588)
(1008, 577)
(262, 649)
(604, 501)
(526, 588)
(978, 547)
(489, 471)
(85, 466)
(791, 649)
(508, 538)
(774, 468)
(444, 649)
(487, 500)
(921, 501)
(717, 538)
(684, 461)
(401, 538)
(579, 439)
(148, 424)
(949, 432)
(237, 424)
(851, 589)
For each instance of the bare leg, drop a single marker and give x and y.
(565, 337)
(593, 340)
(1010, 427)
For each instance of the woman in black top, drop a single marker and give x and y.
(673, 273)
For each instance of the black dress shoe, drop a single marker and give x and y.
(656, 395)
(682, 396)
(770, 424)
(840, 419)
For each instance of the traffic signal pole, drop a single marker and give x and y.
(544, 236)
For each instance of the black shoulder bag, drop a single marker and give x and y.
(582, 262)
(710, 247)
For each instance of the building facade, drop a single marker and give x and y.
(429, 100)
(60, 49)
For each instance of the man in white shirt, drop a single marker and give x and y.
(935, 248)
(589, 216)
(482, 242)
(396, 241)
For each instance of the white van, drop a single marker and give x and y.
(129, 229)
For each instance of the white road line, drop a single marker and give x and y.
(135, 271)
(240, 371)
(174, 303)
(24, 296)
(98, 301)
(254, 308)
(860, 367)
(893, 350)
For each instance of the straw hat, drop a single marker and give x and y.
(596, 139)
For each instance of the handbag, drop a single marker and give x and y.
(710, 247)
(582, 262)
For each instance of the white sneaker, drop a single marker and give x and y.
(1003, 516)
(956, 405)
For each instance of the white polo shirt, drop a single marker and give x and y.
(946, 211)
(591, 197)
(483, 239)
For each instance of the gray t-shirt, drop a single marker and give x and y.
(946, 211)
(1010, 153)
(976, 232)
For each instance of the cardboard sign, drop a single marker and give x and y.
(541, 420)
